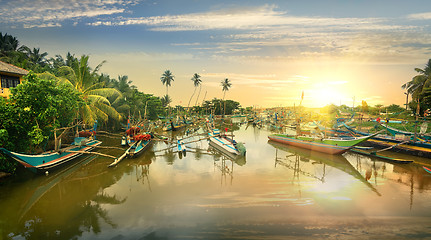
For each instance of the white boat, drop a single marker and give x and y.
(224, 143)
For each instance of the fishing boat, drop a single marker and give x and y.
(380, 157)
(421, 136)
(225, 143)
(330, 145)
(402, 145)
(49, 160)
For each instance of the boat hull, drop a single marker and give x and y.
(314, 146)
(223, 143)
(43, 162)
(138, 148)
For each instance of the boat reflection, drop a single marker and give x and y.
(296, 155)
(221, 162)
(411, 175)
(77, 192)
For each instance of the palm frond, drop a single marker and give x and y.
(105, 92)
(109, 111)
(93, 99)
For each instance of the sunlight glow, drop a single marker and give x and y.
(324, 96)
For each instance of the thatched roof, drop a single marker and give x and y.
(8, 68)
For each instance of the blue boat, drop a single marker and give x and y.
(49, 160)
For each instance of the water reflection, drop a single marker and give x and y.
(66, 195)
(379, 172)
(208, 194)
(224, 162)
(304, 155)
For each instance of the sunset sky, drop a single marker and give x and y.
(272, 51)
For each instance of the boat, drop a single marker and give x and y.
(427, 169)
(380, 157)
(48, 160)
(330, 145)
(225, 143)
(138, 143)
(407, 146)
(421, 136)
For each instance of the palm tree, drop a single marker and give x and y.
(166, 79)
(418, 83)
(197, 82)
(226, 84)
(95, 95)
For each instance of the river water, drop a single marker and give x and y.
(275, 192)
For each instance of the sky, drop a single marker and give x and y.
(335, 52)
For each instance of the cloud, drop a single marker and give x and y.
(420, 16)
(50, 13)
(262, 17)
(250, 31)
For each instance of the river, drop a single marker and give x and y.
(275, 192)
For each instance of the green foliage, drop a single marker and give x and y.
(393, 108)
(216, 106)
(36, 136)
(43, 101)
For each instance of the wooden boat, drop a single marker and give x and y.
(380, 157)
(224, 143)
(330, 145)
(418, 148)
(136, 142)
(405, 134)
(49, 160)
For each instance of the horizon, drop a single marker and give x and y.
(337, 52)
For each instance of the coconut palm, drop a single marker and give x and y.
(95, 95)
(226, 84)
(166, 100)
(418, 83)
(167, 78)
(196, 82)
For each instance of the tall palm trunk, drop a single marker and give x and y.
(224, 107)
(199, 93)
(191, 99)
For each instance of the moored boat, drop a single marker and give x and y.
(330, 145)
(49, 160)
(225, 143)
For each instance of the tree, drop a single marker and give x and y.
(214, 105)
(166, 100)
(199, 93)
(42, 105)
(226, 84)
(418, 83)
(36, 58)
(196, 82)
(94, 94)
(167, 78)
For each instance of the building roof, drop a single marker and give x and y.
(9, 68)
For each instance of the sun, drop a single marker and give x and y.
(320, 97)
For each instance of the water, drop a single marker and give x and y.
(275, 192)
